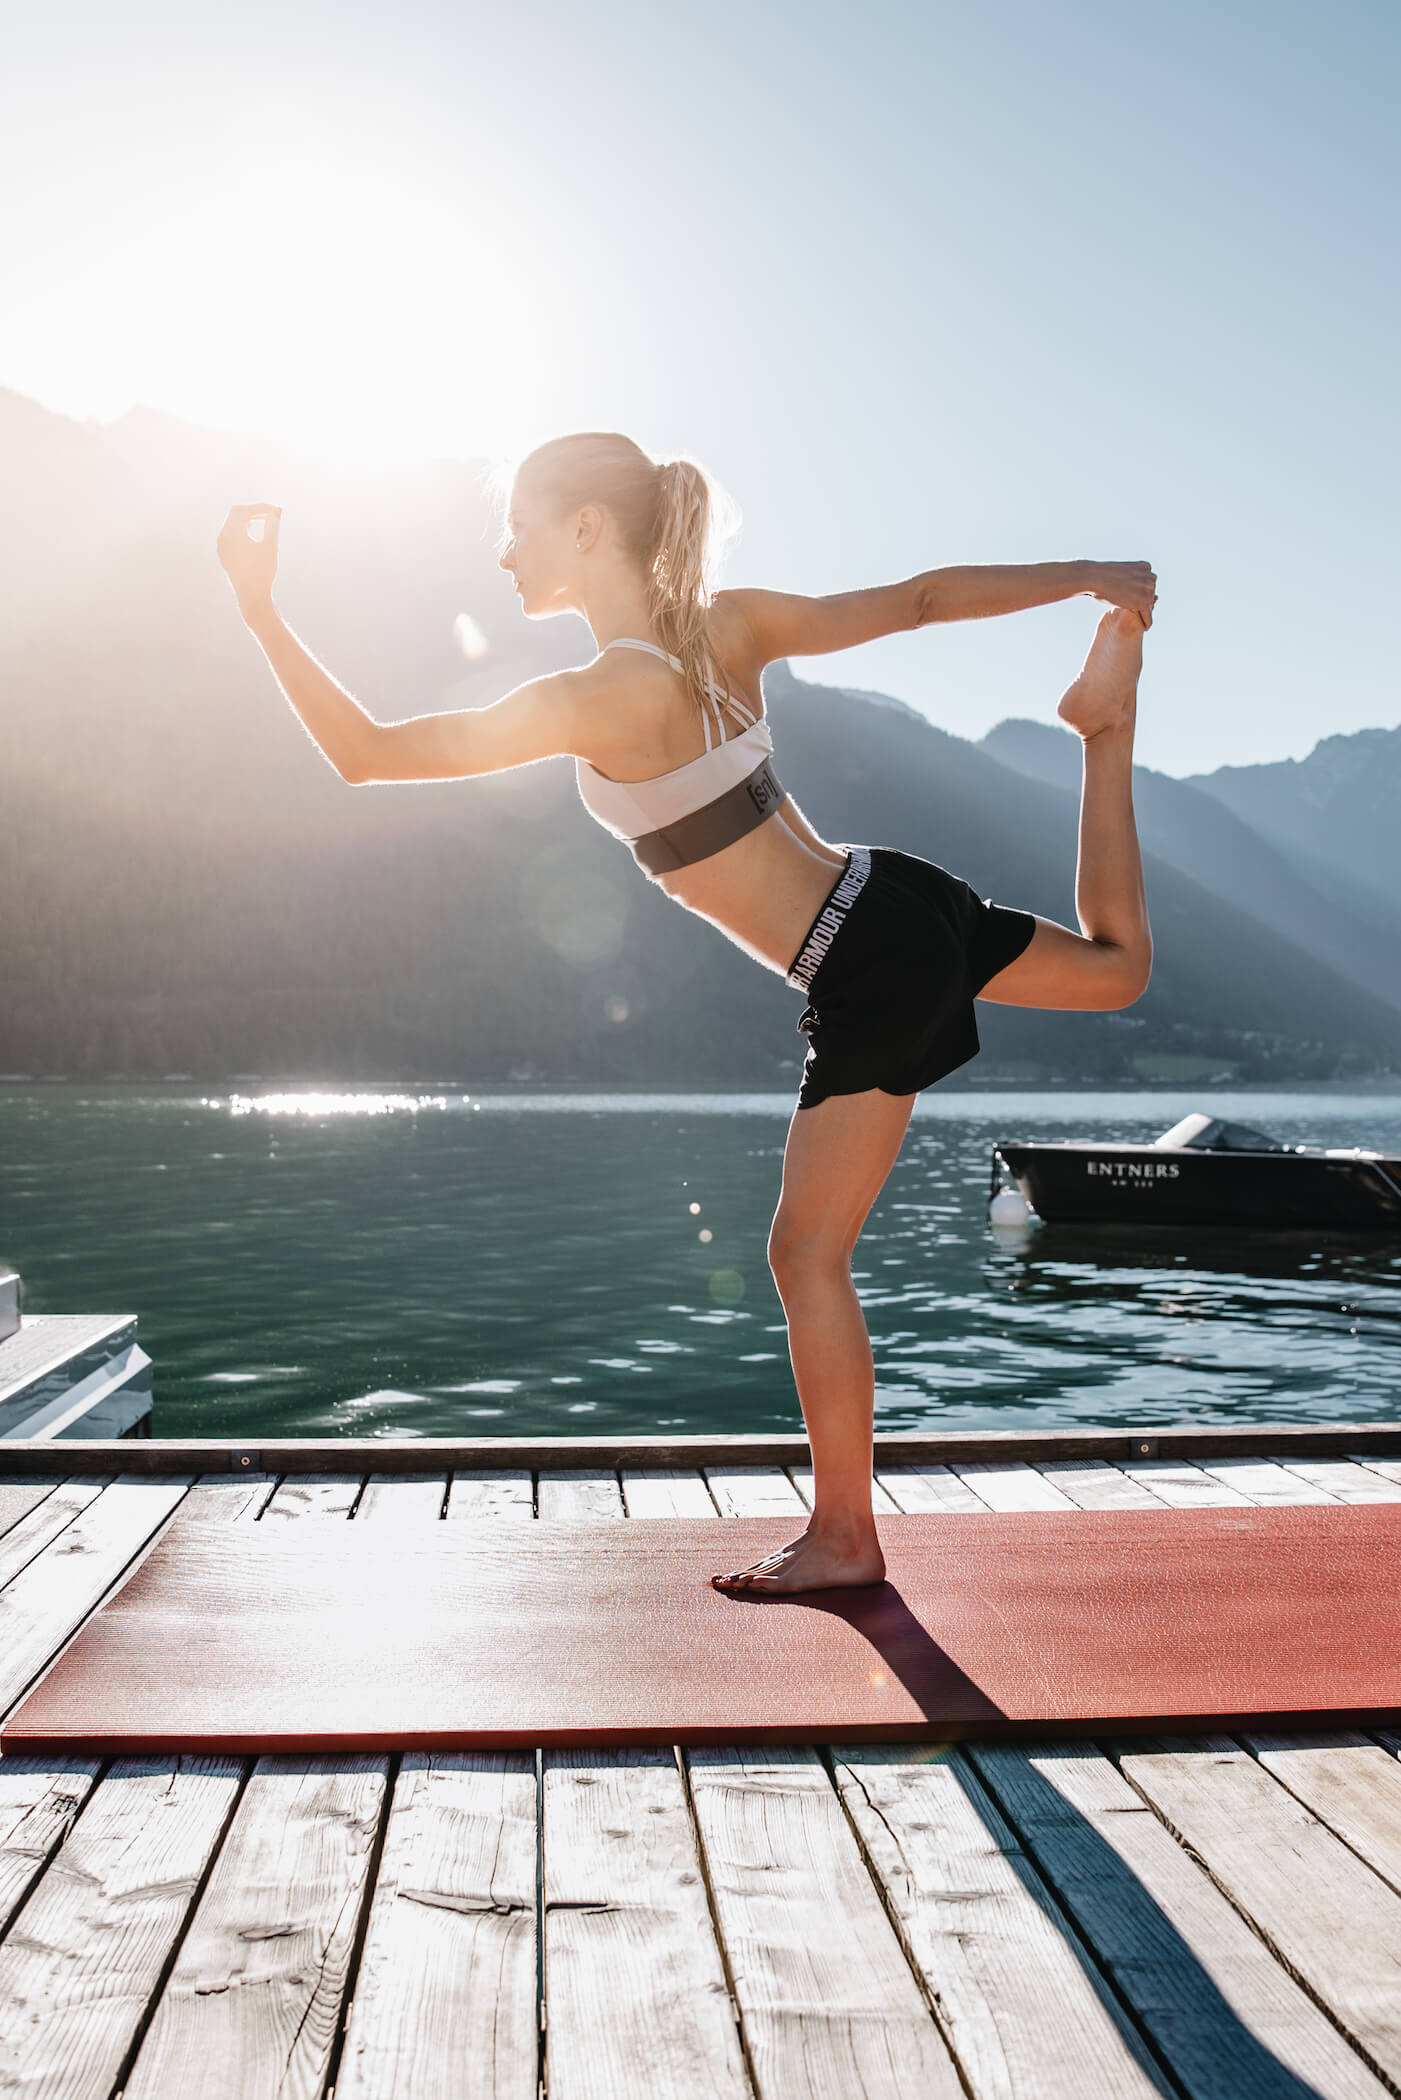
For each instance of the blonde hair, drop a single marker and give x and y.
(672, 519)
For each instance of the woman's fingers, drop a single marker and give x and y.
(1130, 584)
(244, 515)
(247, 547)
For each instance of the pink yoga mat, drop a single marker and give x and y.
(320, 1636)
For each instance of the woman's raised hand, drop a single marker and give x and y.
(248, 550)
(1130, 584)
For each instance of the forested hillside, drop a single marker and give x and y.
(187, 887)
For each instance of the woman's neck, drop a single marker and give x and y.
(615, 606)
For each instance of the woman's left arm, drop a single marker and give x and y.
(981, 593)
(781, 623)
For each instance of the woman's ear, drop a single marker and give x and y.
(588, 530)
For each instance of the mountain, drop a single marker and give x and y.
(1204, 838)
(188, 887)
(1334, 811)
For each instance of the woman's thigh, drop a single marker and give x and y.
(834, 1166)
(1062, 969)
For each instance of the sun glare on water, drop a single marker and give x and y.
(326, 1104)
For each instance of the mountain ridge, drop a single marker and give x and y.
(192, 888)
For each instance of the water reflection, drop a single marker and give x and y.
(400, 1262)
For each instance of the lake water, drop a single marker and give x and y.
(442, 1264)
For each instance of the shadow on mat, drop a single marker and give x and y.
(942, 1691)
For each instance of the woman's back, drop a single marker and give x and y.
(694, 794)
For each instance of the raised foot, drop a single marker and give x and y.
(808, 1563)
(1102, 697)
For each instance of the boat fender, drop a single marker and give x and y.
(1009, 1207)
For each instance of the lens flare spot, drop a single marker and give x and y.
(469, 638)
(695, 1210)
(705, 1235)
(727, 1286)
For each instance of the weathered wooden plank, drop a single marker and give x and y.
(1329, 1917)
(882, 1502)
(402, 1498)
(1345, 1479)
(1264, 1480)
(1387, 1468)
(580, 1492)
(253, 2003)
(1023, 2005)
(85, 1955)
(19, 1497)
(39, 1797)
(635, 1992)
(222, 1498)
(754, 1491)
(1094, 1484)
(490, 1495)
(29, 1535)
(54, 1593)
(667, 1494)
(1219, 2008)
(1013, 1487)
(314, 1495)
(1350, 1783)
(445, 1992)
(366, 1454)
(830, 2007)
(1183, 1486)
(931, 1489)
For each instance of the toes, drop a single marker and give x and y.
(763, 1577)
(748, 1578)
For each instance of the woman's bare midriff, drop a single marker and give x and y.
(765, 890)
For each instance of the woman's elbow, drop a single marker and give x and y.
(363, 764)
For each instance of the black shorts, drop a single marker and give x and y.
(891, 966)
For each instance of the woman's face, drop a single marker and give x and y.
(540, 556)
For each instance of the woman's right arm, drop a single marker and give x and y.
(535, 721)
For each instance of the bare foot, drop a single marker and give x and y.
(1102, 697)
(808, 1563)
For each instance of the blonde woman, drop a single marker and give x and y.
(675, 758)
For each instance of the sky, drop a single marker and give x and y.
(920, 284)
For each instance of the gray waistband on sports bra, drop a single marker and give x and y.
(741, 809)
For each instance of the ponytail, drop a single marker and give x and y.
(671, 520)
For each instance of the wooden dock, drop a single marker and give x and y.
(1214, 1917)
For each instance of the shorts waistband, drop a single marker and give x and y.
(829, 921)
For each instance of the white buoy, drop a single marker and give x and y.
(1009, 1207)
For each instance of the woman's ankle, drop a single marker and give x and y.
(848, 1523)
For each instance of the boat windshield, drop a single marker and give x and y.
(1201, 1133)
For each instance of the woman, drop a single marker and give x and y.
(667, 726)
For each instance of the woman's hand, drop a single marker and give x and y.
(248, 550)
(1130, 584)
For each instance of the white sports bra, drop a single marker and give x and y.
(697, 809)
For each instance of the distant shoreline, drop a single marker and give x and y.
(1381, 1086)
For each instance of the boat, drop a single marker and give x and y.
(1204, 1171)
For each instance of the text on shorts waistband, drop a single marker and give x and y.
(828, 923)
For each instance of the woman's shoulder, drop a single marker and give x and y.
(732, 634)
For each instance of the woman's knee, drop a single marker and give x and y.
(800, 1248)
(1126, 977)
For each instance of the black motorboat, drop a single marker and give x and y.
(1206, 1172)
